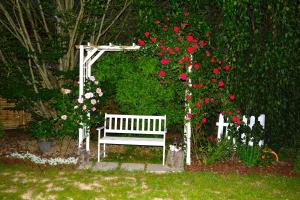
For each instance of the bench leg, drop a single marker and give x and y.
(164, 152)
(104, 154)
(99, 152)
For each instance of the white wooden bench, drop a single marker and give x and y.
(124, 129)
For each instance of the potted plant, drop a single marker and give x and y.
(44, 132)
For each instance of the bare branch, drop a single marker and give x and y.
(115, 19)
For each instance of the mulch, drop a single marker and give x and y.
(280, 168)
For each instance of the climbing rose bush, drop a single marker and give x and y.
(73, 112)
(187, 56)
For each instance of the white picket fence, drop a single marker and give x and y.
(223, 126)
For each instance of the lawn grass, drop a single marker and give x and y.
(20, 182)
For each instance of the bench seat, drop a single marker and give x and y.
(132, 141)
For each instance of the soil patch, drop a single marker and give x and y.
(277, 168)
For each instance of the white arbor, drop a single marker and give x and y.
(88, 55)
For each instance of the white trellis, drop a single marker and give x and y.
(88, 55)
(221, 124)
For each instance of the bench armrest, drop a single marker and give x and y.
(99, 132)
(100, 128)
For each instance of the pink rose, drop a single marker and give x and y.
(92, 78)
(84, 107)
(80, 100)
(93, 101)
(64, 117)
(98, 90)
(93, 109)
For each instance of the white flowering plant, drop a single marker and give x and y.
(39, 160)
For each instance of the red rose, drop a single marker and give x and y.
(146, 34)
(190, 50)
(229, 113)
(213, 80)
(202, 43)
(170, 51)
(216, 71)
(141, 42)
(201, 85)
(198, 126)
(195, 41)
(176, 49)
(183, 76)
(179, 39)
(153, 39)
(221, 84)
(159, 54)
(207, 34)
(231, 97)
(165, 29)
(219, 68)
(219, 62)
(176, 29)
(238, 121)
(207, 53)
(189, 115)
(227, 67)
(212, 60)
(189, 38)
(194, 85)
(165, 61)
(187, 97)
(162, 73)
(195, 46)
(196, 66)
(186, 59)
(203, 120)
(198, 105)
(163, 48)
(234, 118)
(206, 100)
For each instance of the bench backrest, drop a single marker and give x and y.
(135, 124)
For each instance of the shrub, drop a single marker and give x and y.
(297, 163)
(249, 155)
(219, 151)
